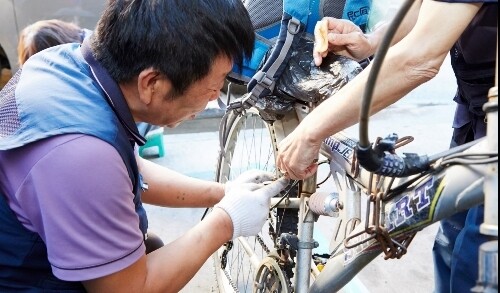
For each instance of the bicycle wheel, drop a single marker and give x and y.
(250, 144)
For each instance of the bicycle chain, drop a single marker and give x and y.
(223, 261)
(231, 282)
(261, 242)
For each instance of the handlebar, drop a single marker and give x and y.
(382, 159)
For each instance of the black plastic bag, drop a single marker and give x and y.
(304, 81)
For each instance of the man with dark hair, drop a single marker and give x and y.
(71, 182)
(432, 28)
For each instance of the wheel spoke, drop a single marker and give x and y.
(250, 144)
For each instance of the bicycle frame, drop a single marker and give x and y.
(433, 196)
(439, 194)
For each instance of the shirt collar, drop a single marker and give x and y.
(114, 95)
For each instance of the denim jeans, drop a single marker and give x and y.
(456, 251)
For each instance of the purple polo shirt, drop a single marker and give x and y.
(85, 215)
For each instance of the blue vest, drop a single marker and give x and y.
(50, 100)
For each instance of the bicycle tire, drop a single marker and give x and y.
(250, 143)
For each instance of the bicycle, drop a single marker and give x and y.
(280, 258)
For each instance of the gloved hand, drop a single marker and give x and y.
(249, 177)
(247, 201)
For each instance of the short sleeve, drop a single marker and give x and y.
(78, 198)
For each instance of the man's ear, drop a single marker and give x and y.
(148, 84)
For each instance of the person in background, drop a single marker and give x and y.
(71, 192)
(432, 28)
(44, 34)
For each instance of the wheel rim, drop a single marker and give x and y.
(249, 145)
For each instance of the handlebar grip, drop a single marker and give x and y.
(388, 164)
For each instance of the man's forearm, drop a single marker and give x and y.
(181, 260)
(169, 268)
(397, 77)
(170, 188)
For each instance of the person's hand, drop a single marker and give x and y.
(251, 176)
(247, 201)
(343, 38)
(297, 155)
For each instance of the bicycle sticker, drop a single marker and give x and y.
(410, 205)
(342, 145)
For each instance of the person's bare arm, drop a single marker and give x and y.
(411, 62)
(169, 268)
(242, 212)
(170, 188)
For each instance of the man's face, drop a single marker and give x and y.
(171, 112)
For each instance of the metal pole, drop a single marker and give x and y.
(490, 224)
(488, 252)
(306, 241)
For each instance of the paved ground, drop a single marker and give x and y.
(426, 114)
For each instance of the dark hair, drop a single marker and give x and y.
(44, 34)
(179, 38)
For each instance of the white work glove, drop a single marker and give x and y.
(247, 201)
